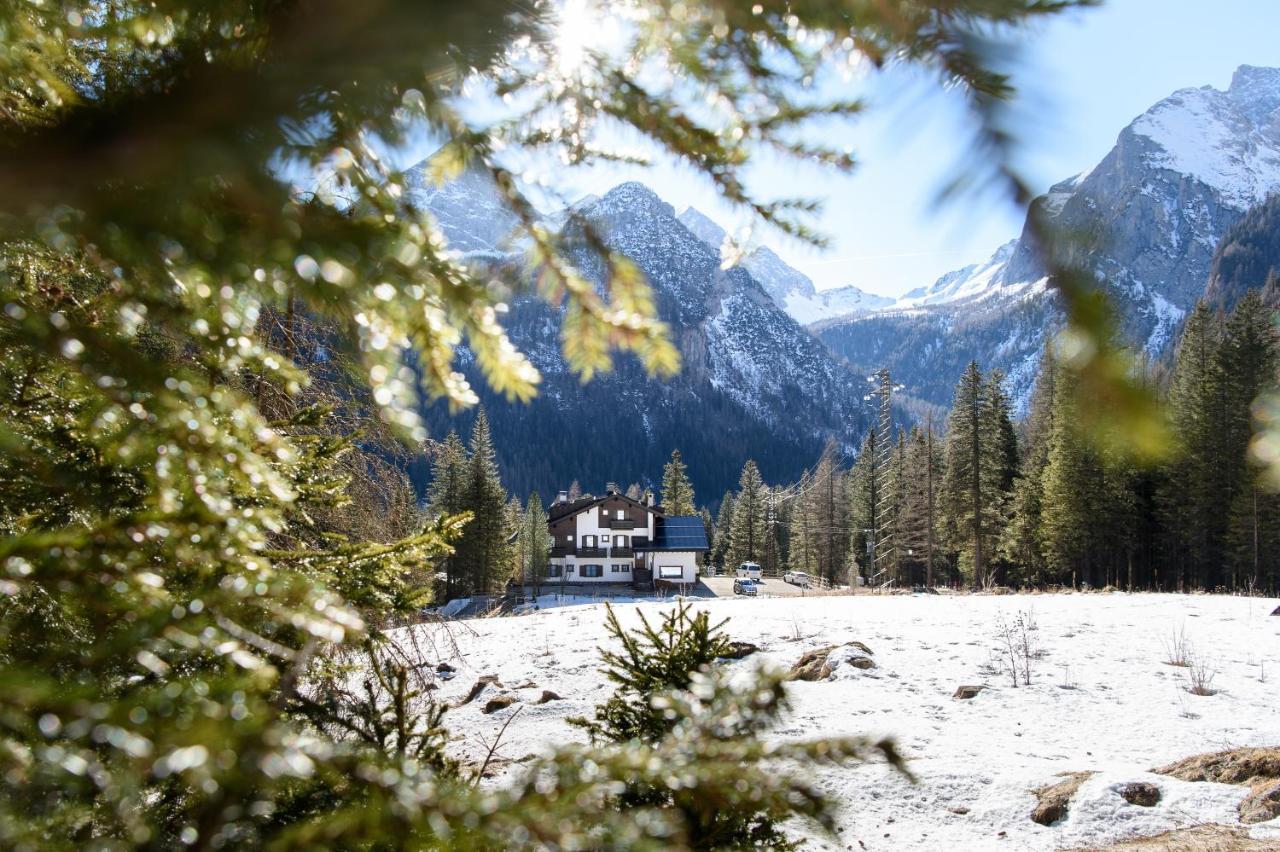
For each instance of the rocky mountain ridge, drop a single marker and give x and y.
(1144, 223)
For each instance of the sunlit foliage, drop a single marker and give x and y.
(186, 532)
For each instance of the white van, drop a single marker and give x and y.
(749, 569)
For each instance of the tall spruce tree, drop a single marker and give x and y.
(1086, 510)
(747, 530)
(538, 539)
(448, 496)
(1022, 542)
(482, 547)
(1192, 495)
(916, 527)
(1247, 364)
(974, 486)
(724, 526)
(677, 491)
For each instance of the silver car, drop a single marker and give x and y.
(744, 587)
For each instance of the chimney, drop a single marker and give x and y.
(648, 497)
(562, 497)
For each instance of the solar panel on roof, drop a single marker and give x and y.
(681, 533)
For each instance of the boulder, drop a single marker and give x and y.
(478, 687)
(547, 695)
(812, 665)
(498, 702)
(1262, 803)
(1052, 800)
(1276, 611)
(738, 650)
(1141, 793)
(968, 691)
(818, 663)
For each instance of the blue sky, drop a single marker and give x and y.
(1083, 77)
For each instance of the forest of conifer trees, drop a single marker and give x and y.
(987, 502)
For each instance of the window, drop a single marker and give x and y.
(670, 572)
(591, 570)
(619, 541)
(621, 514)
(621, 568)
(553, 570)
(588, 541)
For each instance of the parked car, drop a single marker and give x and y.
(797, 578)
(749, 569)
(744, 587)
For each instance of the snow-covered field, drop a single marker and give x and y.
(1101, 699)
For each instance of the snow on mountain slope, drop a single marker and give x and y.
(790, 289)
(1143, 223)
(971, 282)
(1228, 140)
(468, 208)
(747, 366)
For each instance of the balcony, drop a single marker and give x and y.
(621, 551)
(593, 552)
(620, 523)
(561, 550)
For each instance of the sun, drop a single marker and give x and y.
(579, 24)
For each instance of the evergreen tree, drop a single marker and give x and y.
(1247, 366)
(1192, 496)
(998, 428)
(538, 540)
(802, 553)
(819, 532)
(771, 549)
(1022, 542)
(482, 547)
(724, 526)
(916, 528)
(863, 494)
(1086, 518)
(449, 497)
(708, 527)
(677, 492)
(973, 489)
(747, 530)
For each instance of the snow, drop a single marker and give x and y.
(1101, 699)
(972, 283)
(790, 289)
(1215, 137)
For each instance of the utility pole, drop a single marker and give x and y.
(880, 545)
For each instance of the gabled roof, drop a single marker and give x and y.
(564, 510)
(678, 533)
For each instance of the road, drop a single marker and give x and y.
(722, 587)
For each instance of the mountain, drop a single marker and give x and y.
(748, 367)
(789, 288)
(1144, 223)
(1248, 256)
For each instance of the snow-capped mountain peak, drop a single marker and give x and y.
(790, 289)
(1229, 140)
